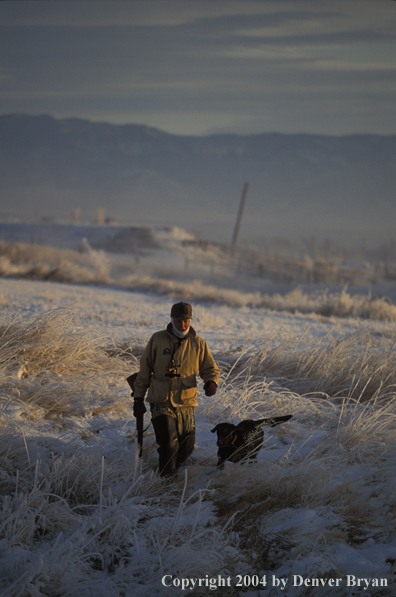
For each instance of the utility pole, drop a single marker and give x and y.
(239, 217)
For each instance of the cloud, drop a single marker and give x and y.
(295, 16)
(141, 13)
(242, 66)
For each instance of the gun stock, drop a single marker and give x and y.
(131, 381)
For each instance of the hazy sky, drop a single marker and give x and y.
(204, 66)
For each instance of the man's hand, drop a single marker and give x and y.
(138, 407)
(210, 388)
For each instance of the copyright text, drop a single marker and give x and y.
(247, 580)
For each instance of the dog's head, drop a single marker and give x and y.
(225, 434)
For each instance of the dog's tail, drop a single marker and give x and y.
(272, 421)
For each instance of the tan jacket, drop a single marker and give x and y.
(191, 356)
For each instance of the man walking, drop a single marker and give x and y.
(168, 368)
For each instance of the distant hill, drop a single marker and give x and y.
(299, 185)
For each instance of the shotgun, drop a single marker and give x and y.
(139, 420)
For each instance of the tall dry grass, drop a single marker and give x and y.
(57, 265)
(88, 524)
(359, 365)
(322, 479)
(327, 488)
(97, 267)
(80, 514)
(50, 363)
(336, 304)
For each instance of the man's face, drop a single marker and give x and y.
(182, 325)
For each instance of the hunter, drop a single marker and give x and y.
(168, 368)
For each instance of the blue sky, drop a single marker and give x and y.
(204, 66)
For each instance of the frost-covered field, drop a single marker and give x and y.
(81, 515)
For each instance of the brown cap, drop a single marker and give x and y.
(181, 311)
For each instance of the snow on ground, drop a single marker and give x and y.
(120, 314)
(83, 516)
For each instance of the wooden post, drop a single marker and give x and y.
(239, 217)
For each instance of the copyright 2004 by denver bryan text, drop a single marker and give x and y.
(256, 581)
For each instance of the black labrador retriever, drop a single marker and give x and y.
(238, 442)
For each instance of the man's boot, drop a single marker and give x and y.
(167, 440)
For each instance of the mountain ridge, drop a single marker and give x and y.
(300, 184)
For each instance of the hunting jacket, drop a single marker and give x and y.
(190, 355)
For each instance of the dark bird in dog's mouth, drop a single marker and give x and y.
(239, 442)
